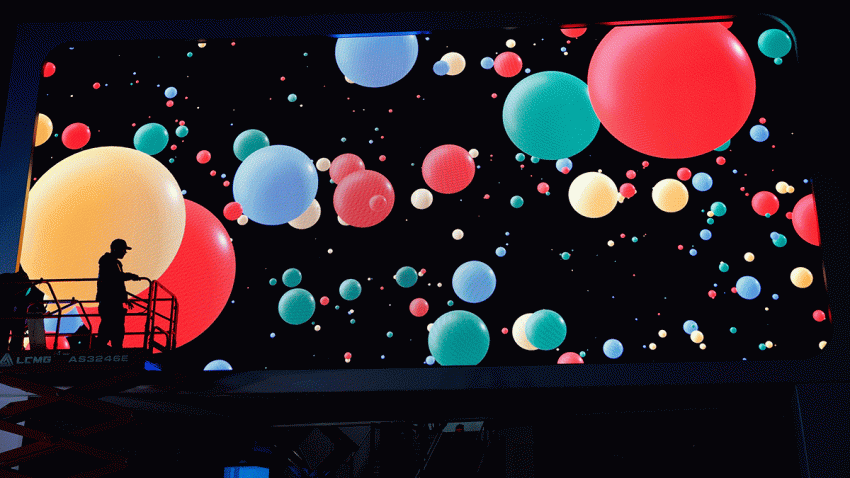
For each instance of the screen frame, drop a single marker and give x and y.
(33, 41)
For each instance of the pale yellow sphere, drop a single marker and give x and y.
(456, 63)
(822, 344)
(781, 187)
(801, 277)
(43, 129)
(457, 234)
(323, 164)
(670, 195)
(421, 274)
(429, 327)
(710, 213)
(347, 360)
(593, 195)
(652, 346)
(473, 153)
(243, 219)
(202, 45)
(518, 332)
(662, 333)
(790, 189)
(621, 198)
(510, 43)
(702, 346)
(349, 80)
(697, 336)
(439, 284)
(317, 328)
(330, 251)
(610, 243)
(768, 344)
(309, 217)
(421, 198)
(341, 221)
(749, 257)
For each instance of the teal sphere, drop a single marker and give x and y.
(296, 306)
(151, 138)
(350, 289)
(406, 277)
(718, 209)
(549, 115)
(292, 277)
(774, 43)
(545, 329)
(249, 141)
(517, 202)
(459, 338)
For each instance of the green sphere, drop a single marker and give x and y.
(724, 146)
(634, 239)
(296, 306)
(292, 98)
(535, 159)
(406, 277)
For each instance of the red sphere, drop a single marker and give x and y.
(645, 164)
(570, 357)
(448, 169)
(805, 220)
(49, 69)
(765, 202)
(508, 64)
(345, 164)
(232, 211)
(819, 316)
(542, 188)
(630, 174)
(203, 157)
(627, 190)
(76, 136)
(418, 307)
(683, 174)
(353, 199)
(692, 87)
(680, 247)
(734, 290)
(504, 331)
(712, 294)
(348, 355)
(726, 24)
(96, 86)
(573, 32)
(721, 160)
(324, 300)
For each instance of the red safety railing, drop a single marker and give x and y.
(159, 310)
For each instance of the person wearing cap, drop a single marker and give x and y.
(112, 295)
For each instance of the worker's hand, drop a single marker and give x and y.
(136, 277)
(130, 303)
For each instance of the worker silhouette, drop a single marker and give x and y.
(112, 295)
(14, 304)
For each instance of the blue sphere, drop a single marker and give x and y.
(690, 326)
(774, 235)
(376, 61)
(217, 365)
(612, 349)
(459, 338)
(500, 251)
(474, 282)
(705, 234)
(748, 287)
(545, 329)
(487, 63)
(775, 296)
(430, 360)
(702, 182)
(693, 252)
(275, 185)
(170, 92)
(441, 68)
(564, 163)
(759, 133)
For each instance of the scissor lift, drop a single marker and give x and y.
(25, 370)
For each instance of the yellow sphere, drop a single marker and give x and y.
(593, 195)
(84, 202)
(670, 195)
(323, 164)
(702, 346)
(781, 187)
(421, 198)
(473, 153)
(242, 220)
(202, 45)
(662, 333)
(341, 221)
(456, 63)
(749, 257)
(822, 344)
(710, 213)
(457, 234)
(697, 336)
(801, 277)
(510, 43)
(768, 344)
(652, 346)
(43, 130)
(309, 217)
(790, 189)
(518, 332)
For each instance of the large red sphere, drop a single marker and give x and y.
(448, 169)
(805, 220)
(418, 307)
(345, 164)
(76, 136)
(672, 91)
(765, 202)
(364, 198)
(573, 32)
(508, 64)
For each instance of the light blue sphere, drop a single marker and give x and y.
(350, 289)
(459, 338)
(702, 182)
(705, 234)
(441, 68)
(612, 348)
(500, 251)
(748, 287)
(546, 329)
(690, 326)
(170, 92)
(217, 365)
(376, 61)
(487, 63)
(430, 360)
(775, 296)
(759, 133)
(474, 282)
(693, 252)
(275, 185)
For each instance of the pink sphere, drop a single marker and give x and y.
(232, 211)
(542, 188)
(765, 202)
(683, 174)
(324, 300)
(508, 64)
(418, 307)
(345, 164)
(504, 331)
(570, 357)
(448, 169)
(630, 174)
(627, 190)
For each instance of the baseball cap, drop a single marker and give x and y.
(120, 244)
